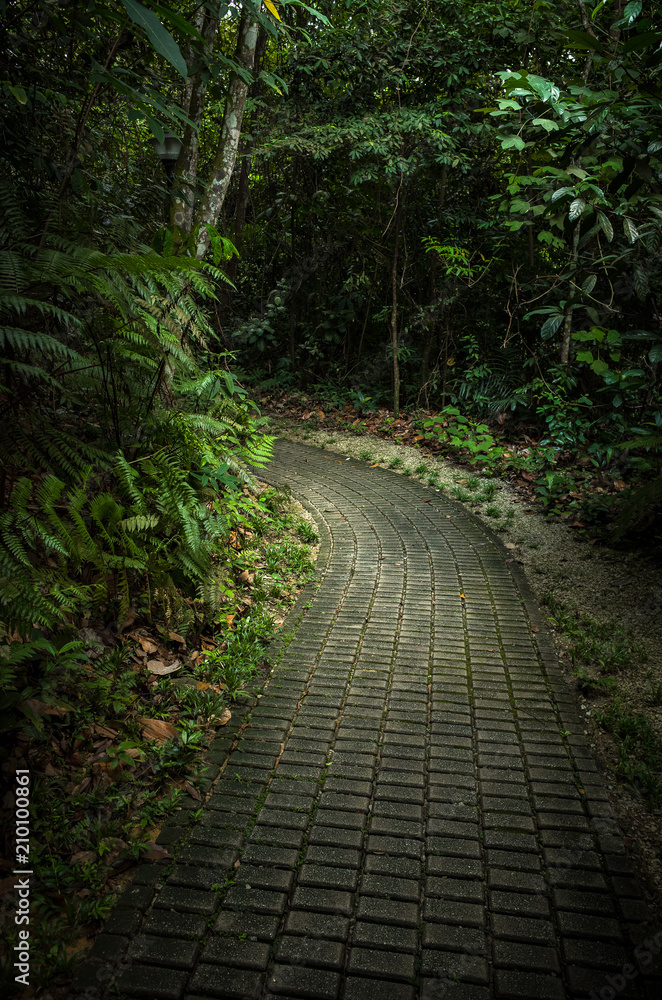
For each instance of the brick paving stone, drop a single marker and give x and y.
(453, 846)
(385, 936)
(454, 967)
(325, 877)
(452, 937)
(317, 925)
(259, 877)
(463, 890)
(240, 897)
(311, 951)
(596, 953)
(397, 846)
(511, 859)
(267, 834)
(519, 881)
(341, 857)
(385, 864)
(362, 988)
(187, 900)
(109, 947)
(330, 836)
(152, 982)
(304, 982)
(390, 887)
(323, 900)
(526, 957)
(268, 854)
(255, 925)
(457, 867)
(526, 985)
(171, 952)
(532, 929)
(242, 954)
(445, 911)
(518, 903)
(385, 964)
(388, 911)
(228, 984)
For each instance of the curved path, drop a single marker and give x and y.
(412, 802)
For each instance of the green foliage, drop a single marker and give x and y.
(452, 430)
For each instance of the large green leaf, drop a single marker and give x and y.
(160, 37)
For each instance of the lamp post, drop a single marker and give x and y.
(168, 153)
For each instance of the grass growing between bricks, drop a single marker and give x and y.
(114, 722)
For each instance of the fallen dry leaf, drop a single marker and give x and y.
(224, 717)
(80, 857)
(41, 708)
(145, 643)
(157, 729)
(176, 637)
(193, 791)
(100, 730)
(162, 669)
(155, 852)
(426, 499)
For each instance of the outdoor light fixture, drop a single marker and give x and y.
(167, 152)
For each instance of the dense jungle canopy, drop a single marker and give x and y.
(399, 204)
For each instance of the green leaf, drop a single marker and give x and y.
(642, 41)
(583, 335)
(630, 229)
(549, 126)
(561, 192)
(161, 39)
(18, 93)
(576, 208)
(655, 353)
(599, 366)
(512, 141)
(589, 284)
(586, 356)
(582, 40)
(606, 226)
(550, 326)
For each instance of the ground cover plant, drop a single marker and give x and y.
(113, 721)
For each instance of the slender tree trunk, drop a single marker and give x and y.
(567, 317)
(394, 311)
(228, 143)
(186, 169)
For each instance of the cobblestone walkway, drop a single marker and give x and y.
(412, 801)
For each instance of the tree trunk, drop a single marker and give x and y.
(228, 143)
(394, 311)
(186, 169)
(567, 317)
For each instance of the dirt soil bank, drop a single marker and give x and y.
(612, 587)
